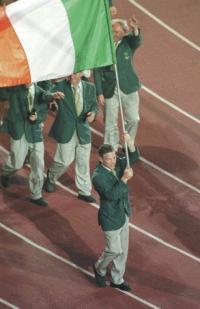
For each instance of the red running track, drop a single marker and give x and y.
(163, 270)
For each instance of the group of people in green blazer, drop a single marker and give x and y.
(76, 102)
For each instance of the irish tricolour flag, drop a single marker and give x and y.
(46, 39)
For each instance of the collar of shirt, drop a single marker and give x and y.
(107, 168)
(117, 43)
(136, 32)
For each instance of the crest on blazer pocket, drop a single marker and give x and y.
(126, 56)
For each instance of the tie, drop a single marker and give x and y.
(78, 100)
(30, 99)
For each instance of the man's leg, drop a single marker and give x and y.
(119, 262)
(82, 169)
(36, 176)
(112, 250)
(111, 131)
(130, 105)
(64, 156)
(16, 157)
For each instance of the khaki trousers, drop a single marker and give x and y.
(65, 155)
(18, 152)
(130, 105)
(115, 252)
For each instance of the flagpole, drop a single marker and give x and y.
(122, 114)
(113, 51)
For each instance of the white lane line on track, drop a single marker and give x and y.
(156, 167)
(6, 303)
(137, 228)
(64, 260)
(171, 105)
(160, 22)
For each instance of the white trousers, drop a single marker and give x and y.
(65, 155)
(115, 252)
(18, 152)
(130, 105)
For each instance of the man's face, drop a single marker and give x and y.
(75, 78)
(109, 160)
(118, 32)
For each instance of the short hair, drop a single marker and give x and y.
(122, 23)
(105, 148)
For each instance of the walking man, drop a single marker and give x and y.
(107, 92)
(28, 107)
(72, 133)
(110, 180)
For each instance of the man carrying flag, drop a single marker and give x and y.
(110, 179)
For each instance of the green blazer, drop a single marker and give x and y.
(16, 123)
(67, 121)
(113, 193)
(45, 85)
(104, 77)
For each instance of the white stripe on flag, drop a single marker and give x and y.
(46, 33)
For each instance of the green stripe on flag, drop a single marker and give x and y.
(91, 33)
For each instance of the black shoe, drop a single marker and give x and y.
(49, 186)
(100, 280)
(123, 286)
(87, 198)
(136, 154)
(5, 180)
(40, 202)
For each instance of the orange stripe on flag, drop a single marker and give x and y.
(14, 68)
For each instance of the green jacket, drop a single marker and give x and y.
(45, 85)
(104, 77)
(114, 200)
(16, 123)
(67, 121)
